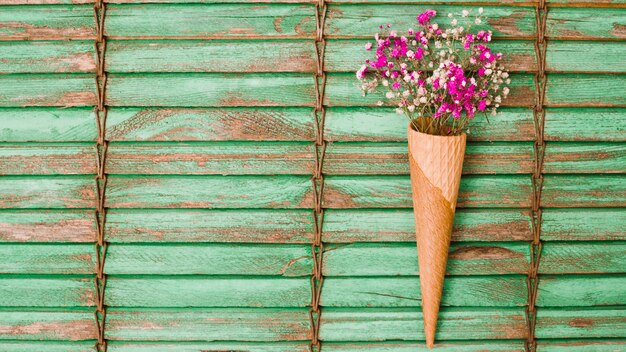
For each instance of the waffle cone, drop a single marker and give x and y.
(436, 163)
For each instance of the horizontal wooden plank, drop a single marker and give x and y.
(342, 89)
(361, 20)
(47, 124)
(596, 158)
(49, 192)
(586, 23)
(195, 89)
(211, 20)
(47, 226)
(181, 225)
(49, 324)
(581, 323)
(585, 124)
(343, 55)
(397, 225)
(581, 345)
(47, 56)
(392, 159)
(47, 22)
(395, 191)
(585, 90)
(583, 224)
(226, 158)
(51, 346)
(47, 292)
(584, 56)
(581, 291)
(582, 258)
(388, 324)
(47, 159)
(47, 258)
(209, 192)
(577, 191)
(210, 56)
(208, 325)
(47, 90)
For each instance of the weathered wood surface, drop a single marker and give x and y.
(581, 323)
(47, 90)
(47, 124)
(596, 158)
(47, 324)
(585, 56)
(48, 192)
(51, 346)
(579, 191)
(582, 258)
(47, 22)
(47, 226)
(47, 159)
(585, 124)
(581, 291)
(586, 23)
(583, 224)
(47, 56)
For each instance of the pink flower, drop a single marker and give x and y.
(481, 71)
(361, 72)
(395, 85)
(482, 105)
(368, 46)
(425, 16)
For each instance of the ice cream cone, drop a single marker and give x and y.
(436, 163)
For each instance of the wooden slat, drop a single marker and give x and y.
(47, 125)
(596, 158)
(122, 346)
(581, 291)
(197, 89)
(49, 346)
(395, 192)
(208, 325)
(47, 22)
(400, 259)
(585, 56)
(576, 191)
(180, 225)
(581, 345)
(343, 55)
(46, 292)
(72, 325)
(47, 159)
(582, 258)
(391, 159)
(229, 158)
(210, 56)
(363, 20)
(583, 224)
(47, 56)
(342, 90)
(397, 225)
(210, 192)
(47, 226)
(49, 192)
(580, 323)
(47, 90)
(585, 124)
(385, 125)
(210, 21)
(47, 258)
(585, 90)
(586, 23)
(454, 324)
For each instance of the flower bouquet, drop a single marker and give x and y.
(440, 78)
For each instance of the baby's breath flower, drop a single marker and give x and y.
(465, 13)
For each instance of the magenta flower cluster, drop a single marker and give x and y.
(442, 76)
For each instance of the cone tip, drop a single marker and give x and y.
(430, 345)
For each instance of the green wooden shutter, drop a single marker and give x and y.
(211, 128)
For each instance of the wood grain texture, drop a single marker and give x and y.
(581, 323)
(46, 292)
(47, 90)
(576, 191)
(385, 125)
(586, 23)
(395, 192)
(50, 192)
(581, 345)
(210, 20)
(583, 258)
(581, 291)
(596, 158)
(47, 258)
(585, 124)
(47, 57)
(397, 225)
(391, 158)
(52, 346)
(47, 22)
(585, 56)
(47, 324)
(583, 224)
(47, 226)
(47, 124)
(210, 56)
(586, 90)
(192, 90)
(361, 20)
(47, 159)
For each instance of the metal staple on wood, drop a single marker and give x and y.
(532, 280)
(317, 246)
(101, 177)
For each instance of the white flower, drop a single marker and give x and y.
(442, 53)
(407, 78)
(400, 111)
(390, 95)
(505, 91)
(498, 99)
(414, 42)
(379, 103)
(385, 82)
(505, 75)
(465, 13)
(406, 93)
(410, 54)
(423, 100)
(454, 22)
(480, 10)
(435, 26)
(392, 33)
(477, 21)
(421, 91)
(411, 108)
(493, 112)
(488, 71)
(430, 64)
(449, 15)
(508, 81)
